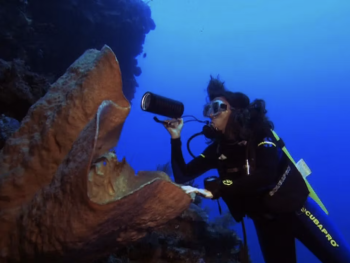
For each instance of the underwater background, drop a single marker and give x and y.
(293, 54)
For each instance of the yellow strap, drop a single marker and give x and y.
(202, 155)
(312, 194)
(266, 142)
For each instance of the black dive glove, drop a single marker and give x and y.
(213, 184)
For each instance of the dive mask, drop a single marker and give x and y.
(214, 108)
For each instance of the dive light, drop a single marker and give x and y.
(161, 105)
(157, 104)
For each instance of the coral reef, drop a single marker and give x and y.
(7, 127)
(19, 88)
(189, 238)
(166, 168)
(64, 196)
(48, 35)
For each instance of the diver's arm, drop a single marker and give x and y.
(185, 172)
(264, 175)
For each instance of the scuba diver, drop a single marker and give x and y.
(257, 178)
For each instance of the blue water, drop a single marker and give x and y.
(294, 54)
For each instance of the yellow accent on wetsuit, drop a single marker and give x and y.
(266, 142)
(312, 194)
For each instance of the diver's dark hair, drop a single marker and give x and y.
(247, 118)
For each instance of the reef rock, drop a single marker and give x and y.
(49, 35)
(19, 88)
(7, 127)
(64, 197)
(189, 238)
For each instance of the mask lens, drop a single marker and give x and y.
(214, 108)
(206, 110)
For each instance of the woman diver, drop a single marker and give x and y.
(257, 179)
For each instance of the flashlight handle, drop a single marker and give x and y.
(159, 121)
(162, 122)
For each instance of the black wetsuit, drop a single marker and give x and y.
(279, 218)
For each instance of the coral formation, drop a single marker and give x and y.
(48, 35)
(189, 238)
(19, 88)
(64, 196)
(7, 127)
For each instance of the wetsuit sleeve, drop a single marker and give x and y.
(185, 172)
(263, 176)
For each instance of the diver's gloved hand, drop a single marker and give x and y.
(213, 184)
(192, 190)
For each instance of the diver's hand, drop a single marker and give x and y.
(213, 184)
(174, 127)
(203, 192)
